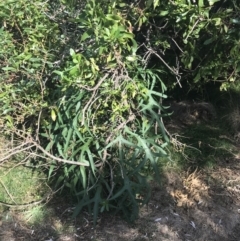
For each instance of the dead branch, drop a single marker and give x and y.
(15, 151)
(95, 89)
(31, 144)
(57, 158)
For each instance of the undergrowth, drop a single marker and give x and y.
(202, 146)
(20, 186)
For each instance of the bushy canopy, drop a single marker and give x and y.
(83, 83)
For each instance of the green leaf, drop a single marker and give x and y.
(8, 68)
(97, 201)
(201, 3)
(8, 110)
(131, 58)
(208, 41)
(9, 120)
(67, 140)
(126, 35)
(72, 52)
(53, 115)
(119, 193)
(236, 21)
(211, 2)
(61, 73)
(84, 176)
(113, 17)
(218, 21)
(85, 36)
(156, 3)
(50, 171)
(225, 28)
(164, 13)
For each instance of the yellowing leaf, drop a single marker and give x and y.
(94, 66)
(72, 52)
(109, 58)
(211, 2)
(225, 28)
(155, 3)
(53, 115)
(134, 93)
(131, 58)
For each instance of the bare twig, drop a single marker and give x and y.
(174, 71)
(57, 158)
(195, 24)
(30, 143)
(177, 44)
(95, 89)
(15, 151)
(22, 162)
(96, 86)
(46, 198)
(6, 190)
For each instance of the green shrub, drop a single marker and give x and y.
(82, 85)
(80, 91)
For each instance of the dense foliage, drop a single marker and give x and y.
(83, 83)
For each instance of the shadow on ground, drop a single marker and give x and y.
(193, 206)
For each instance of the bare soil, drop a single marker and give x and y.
(193, 206)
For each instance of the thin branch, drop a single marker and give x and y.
(57, 158)
(171, 69)
(15, 151)
(192, 29)
(176, 73)
(177, 44)
(21, 148)
(8, 193)
(95, 89)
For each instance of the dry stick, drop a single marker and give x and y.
(15, 148)
(34, 144)
(93, 94)
(97, 85)
(8, 193)
(177, 45)
(57, 158)
(90, 105)
(16, 165)
(29, 140)
(38, 124)
(192, 28)
(171, 69)
(46, 197)
(16, 151)
(25, 204)
(173, 140)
